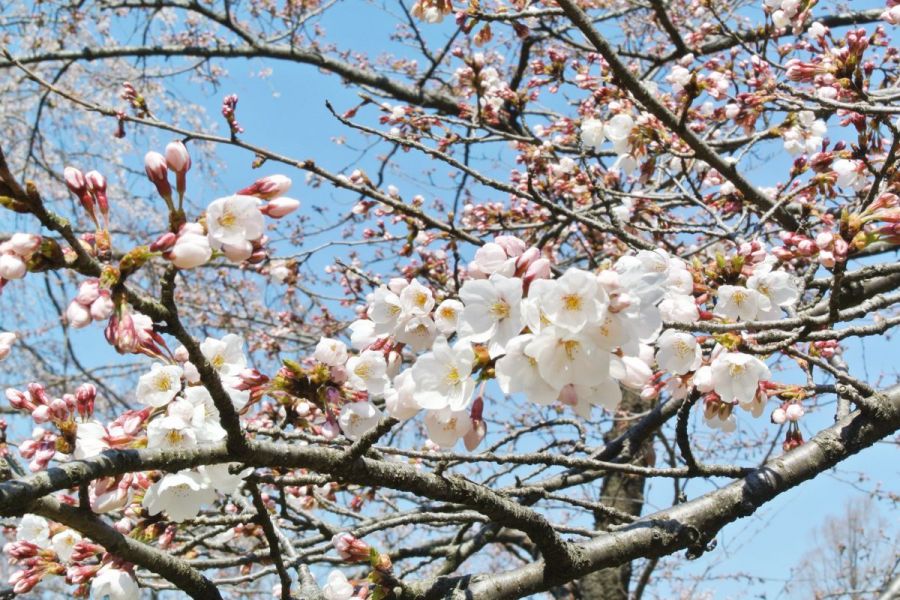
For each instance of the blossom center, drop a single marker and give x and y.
(572, 347)
(500, 309)
(572, 302)
(420, 299)
(362, 370)
(453, 377)
(228, 219)
(163, 383)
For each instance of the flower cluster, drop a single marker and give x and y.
(43, 548)
(91, 304)
(14, 255)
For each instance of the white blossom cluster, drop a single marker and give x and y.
(185, 417)
(618, 129)
(576, 339)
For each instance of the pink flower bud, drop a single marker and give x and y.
(191, 250)
(164, 242)
(280, 207)
(268, 187)
(512, 245)
(59, 410)
(78, 315)
(19, 400)
(181, 354)
(794, 412)
(824, 240)
(158, 173)
(38, 393)
(12, 267)
(41, 414)
(526, 259)
(539, 269)
(88, 292)
(350, 548)
(75, 181)
(102, 308)
(238, 252)
(24, 244)
(826, 259)
(97, 184)
(177, 157)
(84, 399)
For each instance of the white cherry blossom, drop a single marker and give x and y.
(399, 400)
(738, 302)
(225, 355)
(442, 376)
(446, 317)
(385, 310)
(630, 371)
(222, 479)
(34, 529)
(331, 352)
(357, 418)
(337, 587)
(679, 352)
(416, 299)
(368, 372)
(114, 584)
(200, 411)
(7, 339)
(362, 333)
(517, 372)
(565, 357)
(234, 220)
(171, 431)
(779, 287)
(158, 387)
(91, 438)
(736, 376)
(417, 332)
(571, 301)
(492, 311)
(179, 494)
(592, 135)
(446, 426)
(63, 544)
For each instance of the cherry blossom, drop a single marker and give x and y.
(331, 352)
(447, 426)
(158, 387)
(357, 418)
(491, 311)
(679, 352)
(368, 372)
(442, 376)
(234, 221)
(337, 587)
(736, 376)
(114, 584)
(180, 495)
(7, 339)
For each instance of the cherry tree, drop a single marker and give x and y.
(348, 390)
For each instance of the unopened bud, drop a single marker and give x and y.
(268, 187)
(280, 207)
(158, 173)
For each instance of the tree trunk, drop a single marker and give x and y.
(624, 492)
